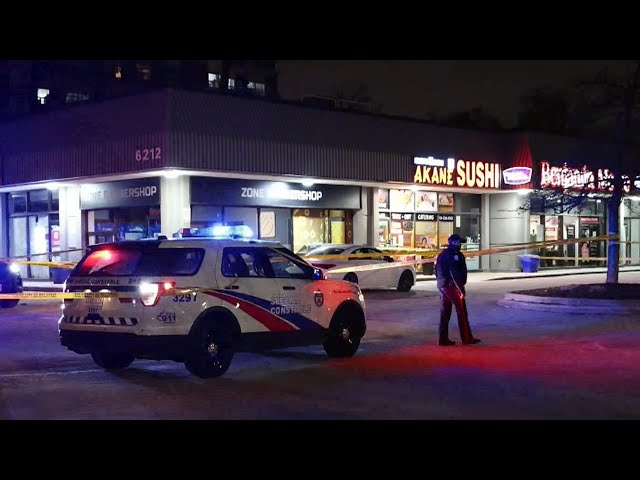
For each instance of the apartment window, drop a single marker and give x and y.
(76, 97)
(214, 80)
(256, 87)
(43, 93)
(144, 71)
(118, 71)
(232, 84)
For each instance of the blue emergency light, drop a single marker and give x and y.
(216, 231)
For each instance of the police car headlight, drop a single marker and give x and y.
(14, 268)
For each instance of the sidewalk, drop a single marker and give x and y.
(48, 286)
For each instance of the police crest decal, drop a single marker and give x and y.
(318, 298)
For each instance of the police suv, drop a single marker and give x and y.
(199, 301)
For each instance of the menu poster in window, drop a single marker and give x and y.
(445, 202)
(426, 202)
(401, 200)
(383, 199)
(426, 234)
(267, 224)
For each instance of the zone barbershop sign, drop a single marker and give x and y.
(583, 179)
(456, 173)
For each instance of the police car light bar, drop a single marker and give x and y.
(216, 231)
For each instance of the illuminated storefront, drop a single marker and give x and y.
(418, 217)
(34, 227)
(293, 214)
(121, 210)
(580, 212)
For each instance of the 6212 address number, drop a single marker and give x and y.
(146, 154)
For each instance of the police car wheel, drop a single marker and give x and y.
(8, 303)
(406, 281)
(343, 338)
(351, 277)
(112, 360)
(212, 350)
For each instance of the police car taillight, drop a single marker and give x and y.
(150, 293)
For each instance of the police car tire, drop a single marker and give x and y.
(112, 360)
(8, 303)
(351, 277)
(337, 347)
(200, 363)
(406, 281)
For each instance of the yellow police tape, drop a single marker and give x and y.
(351, 268)
(102, 295)
(468, 254)
(62, 265)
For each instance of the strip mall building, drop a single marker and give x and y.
(156, 163)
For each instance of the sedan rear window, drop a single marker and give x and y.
(325, 251)
(141, 262)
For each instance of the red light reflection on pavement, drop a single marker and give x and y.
(606, 363)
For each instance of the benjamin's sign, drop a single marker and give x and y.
(456, 173)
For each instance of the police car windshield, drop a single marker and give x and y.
(152, 262)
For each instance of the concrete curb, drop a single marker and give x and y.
(577, 306)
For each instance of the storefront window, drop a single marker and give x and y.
(401, 230)
(131, 223)
(445, 230)
(424, 219)
(401, 200)
(39, 243)
(205, 215)
(467, 203)
(32, 215)
(446, 202)
(426, 231)
(38, 201)
(426, 202)
(632, 232)
(468, 227)
(18, 202)
(337, 226)
(308, 228)
(18, 242)
(384, 233)
(564, 218)
(242, 216)
(55, 202)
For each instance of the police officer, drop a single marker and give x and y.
(451, 274)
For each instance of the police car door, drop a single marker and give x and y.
(299, 299)
(248, 290)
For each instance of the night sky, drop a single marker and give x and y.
(420, 87)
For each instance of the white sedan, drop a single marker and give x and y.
(402, 277)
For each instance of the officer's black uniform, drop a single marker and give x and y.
(451, 273)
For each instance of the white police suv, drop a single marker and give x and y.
(199, 301)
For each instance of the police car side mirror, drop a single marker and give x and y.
(317, 274)
(388, 259)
